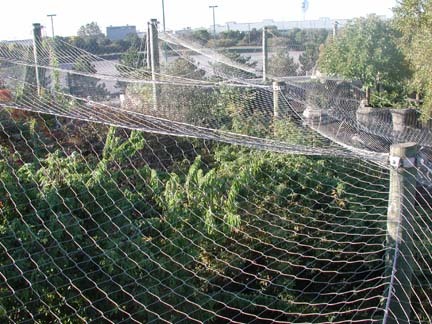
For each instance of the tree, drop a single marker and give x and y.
(308, 59)
(413, 18)
(224, 70)
(201, 35)
(282, 65)
(90, 30)
(132, 62)
(133, 58)
(366, 50)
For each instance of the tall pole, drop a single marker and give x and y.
(154, 60)
(52, 23)
(37, 42)
(214, 20)
(265, 53)
(403, 177)
(163, 15)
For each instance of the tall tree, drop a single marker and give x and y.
(366, 50)
(282, 64)
(413, 18)
(90, 30)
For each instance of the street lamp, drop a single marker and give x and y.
(163, 14)
(52, 23)
(214, 20)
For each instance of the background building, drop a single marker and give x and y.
(325, 23)
(120, 32)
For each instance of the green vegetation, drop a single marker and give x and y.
(135, 212)
(413, 18)
(104, 224)
(366, 50)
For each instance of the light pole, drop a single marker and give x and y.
(163, 15)
(52, 23)
(214, 20)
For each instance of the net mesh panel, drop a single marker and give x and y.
(190, 196)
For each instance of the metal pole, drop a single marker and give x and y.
(155, 65)
(265, 53)
(214, 20)
(52, 23)
(403, 178)
(37, 40)
(163, 15)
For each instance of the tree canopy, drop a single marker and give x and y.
(413, 18)
(90, 30)
(366, 50)
(282, 64)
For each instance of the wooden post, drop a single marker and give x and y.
(335, 29)
(368, 96)
(265, 53)
(403, 178)
(37, 43)
(278, 88)
(155, 63)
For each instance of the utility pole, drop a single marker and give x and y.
(163, 16)
(403, 179)
(265, 53)
(154, 60)
(52, 23)
(37, 42)
(214, 20)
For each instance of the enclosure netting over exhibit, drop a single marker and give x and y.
(194, 191)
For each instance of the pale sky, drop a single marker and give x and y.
(17, 16)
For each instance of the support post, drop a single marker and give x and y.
(368, 96)
(148, 51)
(154, 61)
(335, 29)
(265, 53)
(278, 88)
(37, 43)
(403, 178)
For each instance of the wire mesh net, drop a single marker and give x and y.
(197, 193)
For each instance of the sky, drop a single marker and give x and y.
(17, 16)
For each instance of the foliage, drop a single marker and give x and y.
(233, 72)
(413, 18)
(282, 64)
(91, 30)
(133, 58)
(99, 222)
(366, 50)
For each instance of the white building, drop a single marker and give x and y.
(325, 23)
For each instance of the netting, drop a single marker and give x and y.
(197, 193)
